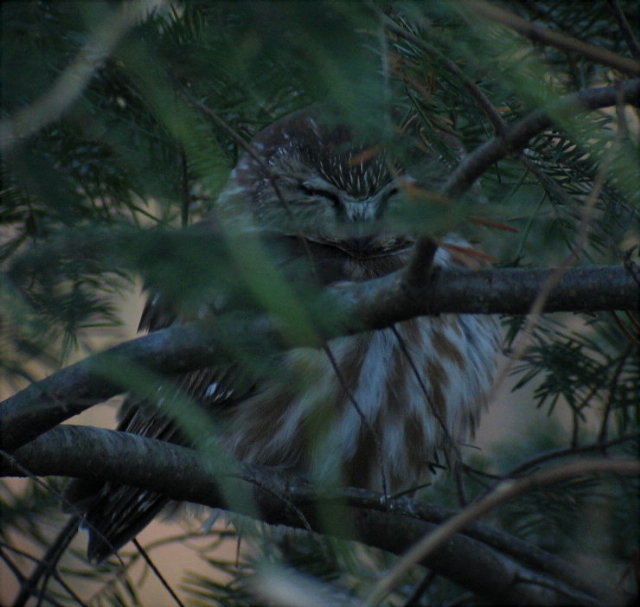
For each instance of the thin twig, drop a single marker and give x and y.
(434, 410)
(157, 572)
(419, 269)
(184, 189)
(483, 101)
(613, 386)
(625, 28)
(506, 491)
(363, 419)
(421, 587)
(48, 563)
(537, 33)
(21, 579)
(632, 337)
(566, 452)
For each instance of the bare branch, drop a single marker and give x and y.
(391, 525)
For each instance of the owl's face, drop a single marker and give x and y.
(304, 177)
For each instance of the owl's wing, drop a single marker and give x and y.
(112, 513)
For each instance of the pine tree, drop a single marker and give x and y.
(120, 124)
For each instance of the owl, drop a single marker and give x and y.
(376, 409)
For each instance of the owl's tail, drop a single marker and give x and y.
(112, 514)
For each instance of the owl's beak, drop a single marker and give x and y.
(359, 228)
(357, 213)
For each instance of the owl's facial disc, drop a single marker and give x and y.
(344, 214)
(354, 225)
(349, 208)
(318, 179)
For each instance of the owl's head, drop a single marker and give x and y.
(304, 175)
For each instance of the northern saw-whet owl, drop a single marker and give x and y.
(404, 397)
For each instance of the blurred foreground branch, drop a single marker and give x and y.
(72, 81)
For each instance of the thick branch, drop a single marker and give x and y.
(391, 525)
(369, 305)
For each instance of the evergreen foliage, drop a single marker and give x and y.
(95, 201)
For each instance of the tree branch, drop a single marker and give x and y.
(369, 305)
(537, 33)
(504, 492)
(519, 134)
(391, 525)
(625, 28)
